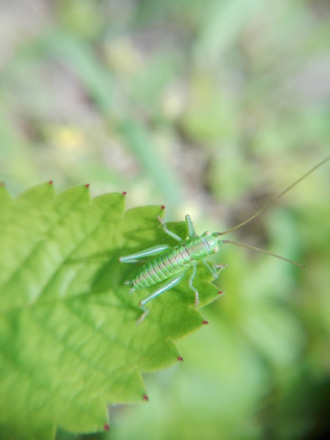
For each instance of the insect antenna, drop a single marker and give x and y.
(274, 199)
(263, 251)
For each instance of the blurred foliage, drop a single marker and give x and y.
(209, 107)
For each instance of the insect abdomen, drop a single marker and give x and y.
(169, 264)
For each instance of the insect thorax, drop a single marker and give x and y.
(197, 248)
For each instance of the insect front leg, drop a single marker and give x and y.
(168, 285)
(134, 258)
(215, 269)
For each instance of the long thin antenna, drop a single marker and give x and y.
(264, 252)
(273, 200)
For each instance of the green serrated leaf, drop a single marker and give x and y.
(69, 342)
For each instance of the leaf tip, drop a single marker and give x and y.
(106, 427)
(2, 183)
(220, 292)
(50, 182)
(87, 185)
(180, 358)
(205, 322)
(124, 193)
(162, 207)
(145, 397)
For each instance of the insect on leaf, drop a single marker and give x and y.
(69, 343)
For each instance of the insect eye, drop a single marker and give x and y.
(216, 249)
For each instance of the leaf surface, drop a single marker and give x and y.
(69, 342)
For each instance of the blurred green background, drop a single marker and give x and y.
(209, 107)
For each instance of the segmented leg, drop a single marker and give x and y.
(155, 250)
(215, 270)
(171, 234)
(190, 227)
(192, 287)
(168, 285)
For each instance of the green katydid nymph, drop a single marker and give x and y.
(168, 265)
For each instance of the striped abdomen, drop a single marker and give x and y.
(170, 263)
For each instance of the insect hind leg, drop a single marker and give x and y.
(150, 252)
(166, 286)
